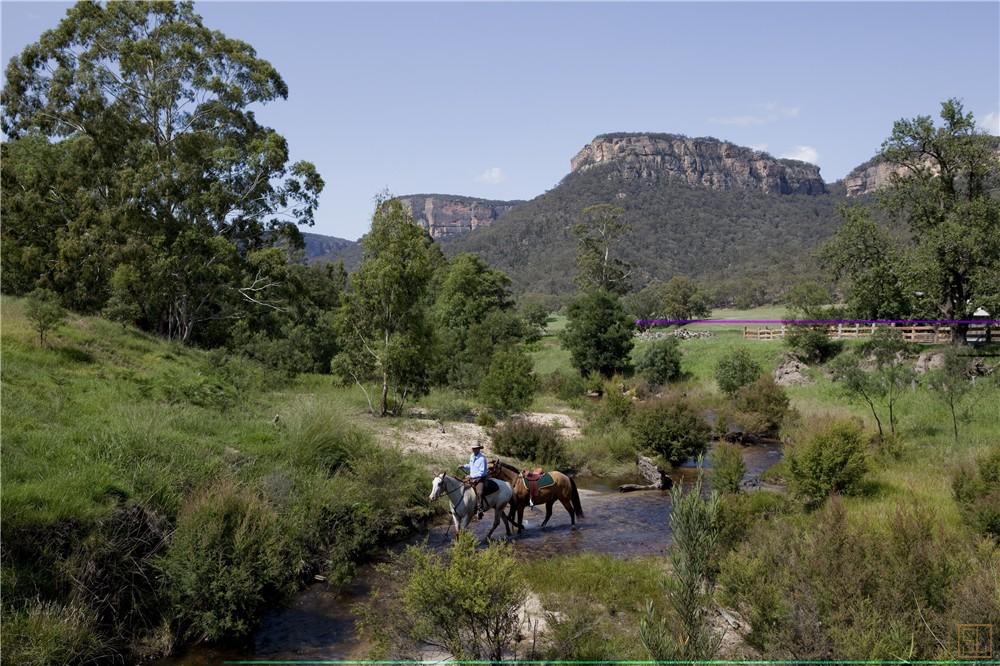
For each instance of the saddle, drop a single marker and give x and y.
(489, 485)
(536, 480)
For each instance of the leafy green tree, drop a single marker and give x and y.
(473, 312)
(735, 370)
(598, 334)
(43, 310)
(597, 232)
(678, 298)
(159, 163)
(510, 383)
(383, 323)
(660, 362)
(943, 185)
(951, 383)
(880, 284)
(535, 313)
(683, 298)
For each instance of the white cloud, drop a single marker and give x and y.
(764, 113)
(802, 153)
(991, 123)
(759, 147)
(492, 176)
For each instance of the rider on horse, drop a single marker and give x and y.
(477, 469)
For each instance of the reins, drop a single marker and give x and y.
(449, 492)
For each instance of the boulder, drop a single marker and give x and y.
(928, 361)
(791, 372)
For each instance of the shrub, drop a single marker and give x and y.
(467, 601)
(764, 405)
(525, 440)
(811, 345)
(728, 467)
(977, 492)
(832, 460)
(509, 384)
(43, 310)
(671, 427)
(226, 563)
(485, 419)
(661, 361)
(615, 407)
(735, 370)
(566, 386)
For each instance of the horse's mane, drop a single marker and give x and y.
(508, 466)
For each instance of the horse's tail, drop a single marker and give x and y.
(577, 507)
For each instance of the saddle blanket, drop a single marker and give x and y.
(490, 487)
(537, 481)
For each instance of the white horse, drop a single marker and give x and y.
(463, 501)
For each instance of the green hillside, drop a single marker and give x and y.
(675, 228)
(131, 463)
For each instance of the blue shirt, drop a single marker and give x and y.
(477, 465)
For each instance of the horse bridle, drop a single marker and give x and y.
(448, 492)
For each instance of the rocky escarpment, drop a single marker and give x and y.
(705, 162)
(445, 216)
(870, 177)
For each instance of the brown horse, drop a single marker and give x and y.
(563, 490)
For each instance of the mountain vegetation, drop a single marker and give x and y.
(740, 240)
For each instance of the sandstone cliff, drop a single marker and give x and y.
(706, 162)
(869, 177)
(445, 216)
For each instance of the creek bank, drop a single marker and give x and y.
(321, 623)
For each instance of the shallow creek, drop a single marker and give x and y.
(320, 623)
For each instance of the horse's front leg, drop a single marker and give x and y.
(455, 522)
(548, 514)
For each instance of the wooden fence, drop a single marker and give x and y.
(928, 335)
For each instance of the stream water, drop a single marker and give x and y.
(320, 624)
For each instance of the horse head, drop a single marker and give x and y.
(436, 485)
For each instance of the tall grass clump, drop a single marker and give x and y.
(320, 439)
(46, 633)
(977, 491)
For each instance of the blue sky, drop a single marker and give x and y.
(493, 99)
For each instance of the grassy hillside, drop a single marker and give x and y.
(116, 442)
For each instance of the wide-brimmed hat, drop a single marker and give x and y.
(477, 445)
